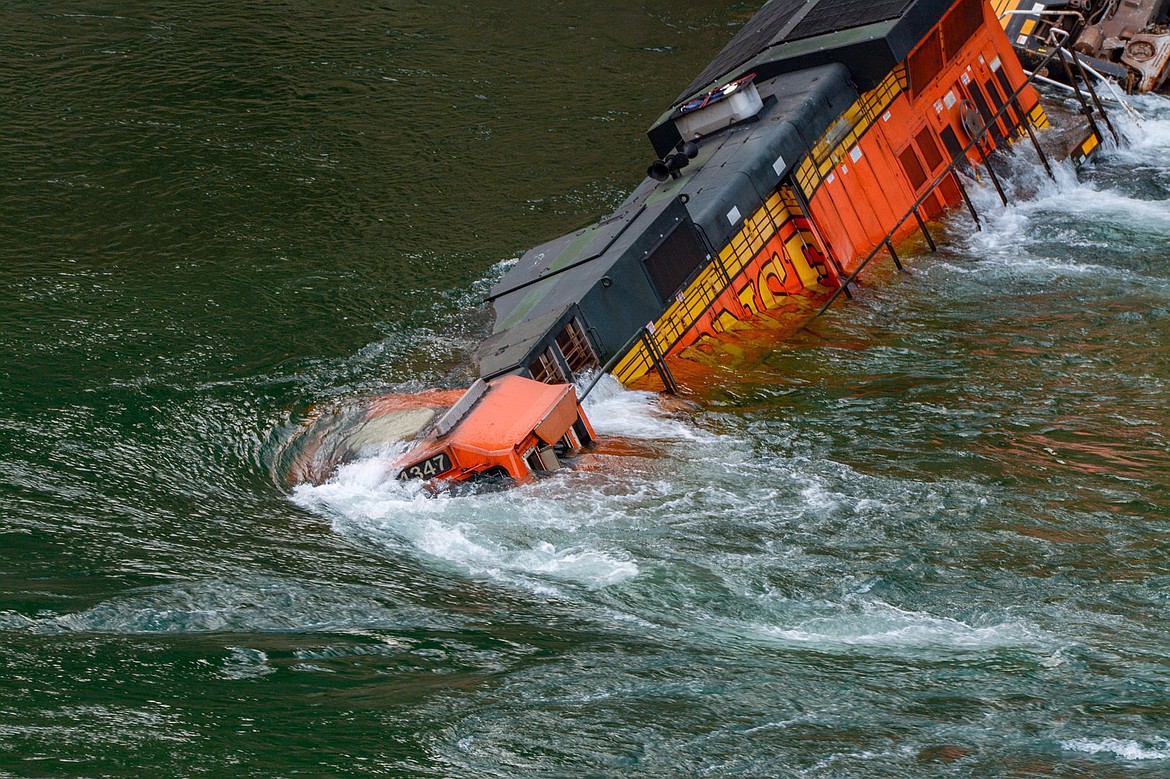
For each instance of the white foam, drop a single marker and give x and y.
(615, 410)
(499, 535)
(1067, 195)
(1127, 749)
(10, 620)
(876, 624)
(251, 604)
(1152, 134)
(1009, 242)
(539, 535)
(245, 663)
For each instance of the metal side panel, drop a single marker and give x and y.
(541, 284)
(644, 282)
(752, 160)
(613, 293)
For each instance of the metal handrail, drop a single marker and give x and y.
(658, 361)
(951, 170)
(1042, 13)
(618, 355)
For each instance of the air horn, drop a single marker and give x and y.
(671, 167)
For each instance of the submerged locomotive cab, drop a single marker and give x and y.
(512, 426)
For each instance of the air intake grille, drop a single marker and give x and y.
(674, 261)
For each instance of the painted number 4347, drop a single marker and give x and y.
(428, 468)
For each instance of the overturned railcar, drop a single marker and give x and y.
(824, 133)
(1126, 40)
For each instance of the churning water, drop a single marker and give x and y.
(926, 536)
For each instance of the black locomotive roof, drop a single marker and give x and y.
(778, 38)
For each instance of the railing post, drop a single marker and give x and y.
(613, 361)
(1039, 151)
(1086, 109)
(807, 213)
(966, 199)
(925, 232)
(660, 365)
(1093, 94)
(990, 171)
(713, 256)
(894, 254)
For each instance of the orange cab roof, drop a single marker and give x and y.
(512, 409)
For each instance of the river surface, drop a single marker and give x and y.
(929, 536)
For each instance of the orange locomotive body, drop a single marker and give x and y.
(892, 162)
(889, 159)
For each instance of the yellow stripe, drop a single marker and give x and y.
(1011, 5)
(1037, 116)
(1090, 143)
(680, 316)
(832, 146)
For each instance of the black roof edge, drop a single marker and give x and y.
(870, 52)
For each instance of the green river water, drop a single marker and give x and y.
(929, 536)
